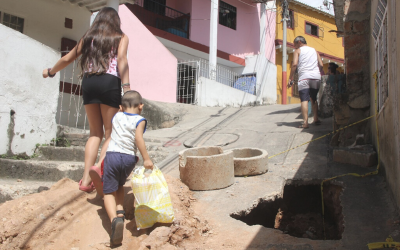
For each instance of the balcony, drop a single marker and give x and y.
(156, 14)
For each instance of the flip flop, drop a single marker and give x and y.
(302, 126)
(117, 231)
(87, 189)
(95, 175)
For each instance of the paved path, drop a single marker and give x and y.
(368, 210)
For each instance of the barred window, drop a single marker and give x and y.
(14, 22)
(227, 15)
(290, 23)
(311, 29)
(381, 53)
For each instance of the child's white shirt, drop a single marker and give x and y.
(123, 133)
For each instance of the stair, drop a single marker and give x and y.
(360, 155)
(52, 163)
(41, 170)
(11, 189)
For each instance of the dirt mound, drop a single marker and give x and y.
(66, 218)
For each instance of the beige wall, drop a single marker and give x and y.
(388, 116)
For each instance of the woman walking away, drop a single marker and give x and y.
(104, 66)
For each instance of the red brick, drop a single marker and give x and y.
(355, 64)
(356, 40)
(348, 26)
(361, 27)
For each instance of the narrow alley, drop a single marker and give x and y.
(239, 216)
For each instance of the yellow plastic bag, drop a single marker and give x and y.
(152, 201)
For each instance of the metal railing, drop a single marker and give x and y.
(246, 83)
(160, 16)
(190, 71)
(70, 111)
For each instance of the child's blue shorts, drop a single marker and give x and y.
(117, 168)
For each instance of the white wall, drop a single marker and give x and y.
(23, 90)
(44, 22)
(44, 19)
(212, 94)
(266, 77)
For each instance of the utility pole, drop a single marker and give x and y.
(285, 15)
(213, 39)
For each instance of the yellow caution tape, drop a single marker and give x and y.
(356, 174)
(388, 244)
(316, 139)
(377, 245)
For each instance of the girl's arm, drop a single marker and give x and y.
(65, 60)
(122, 60)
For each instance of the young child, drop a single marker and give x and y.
(126, 137)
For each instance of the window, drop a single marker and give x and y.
(290, 23)
(381, 53)
(227, 15)
(13, 22)
(311, 29)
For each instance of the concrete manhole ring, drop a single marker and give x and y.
(250, 161)
(206, 168)
(211, 140)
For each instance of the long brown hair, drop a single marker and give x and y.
(100, 42)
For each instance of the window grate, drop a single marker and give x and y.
(227, 15)
(311, 29)
(13, 22)
(381, 53)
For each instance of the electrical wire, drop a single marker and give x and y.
(247, 4)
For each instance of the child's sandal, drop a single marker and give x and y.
(121, 212)
(117, 231)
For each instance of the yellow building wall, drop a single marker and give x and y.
(328, 44)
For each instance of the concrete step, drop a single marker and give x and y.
(361, 155)
(51, 153)
(78, 139)
(41, 170)
(77, 153)
(11, 189)
(51, 170)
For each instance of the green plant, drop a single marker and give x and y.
(61, 142)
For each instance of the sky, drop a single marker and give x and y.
(318, 4)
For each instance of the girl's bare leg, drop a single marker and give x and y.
(95, 120)
(107, 113)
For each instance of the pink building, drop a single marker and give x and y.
(169, 48)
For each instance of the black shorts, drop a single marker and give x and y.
(304, 95)
(311, 91)
(117, 168)
(102, 89)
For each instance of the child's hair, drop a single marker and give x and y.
(131, 99)
(101, 41)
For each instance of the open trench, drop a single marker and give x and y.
(299, 211)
